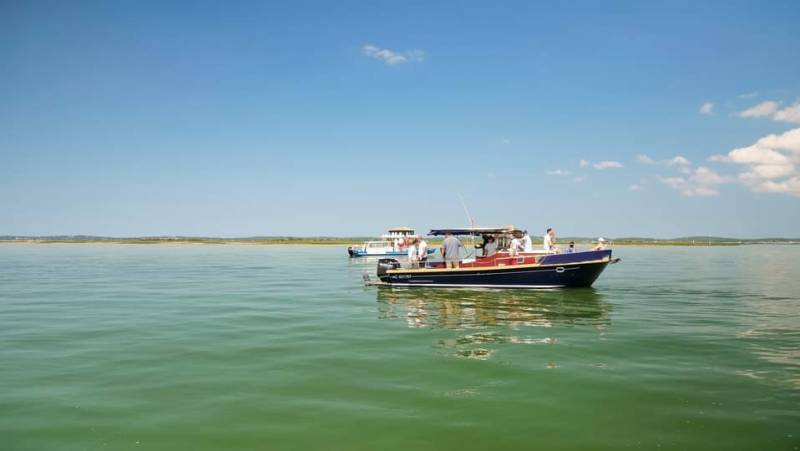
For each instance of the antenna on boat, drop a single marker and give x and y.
(469, 218)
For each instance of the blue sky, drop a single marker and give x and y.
(344, 118)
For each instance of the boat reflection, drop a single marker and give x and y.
(494, 316)
(465, 309)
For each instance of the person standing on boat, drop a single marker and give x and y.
(451, 247)
(516, 244)
(422, 251)
(490, 247)
(413, 256)
(527, 244)
(601, 245)
(549, 243)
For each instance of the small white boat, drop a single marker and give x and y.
(395, 243)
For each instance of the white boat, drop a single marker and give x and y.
(394, 243)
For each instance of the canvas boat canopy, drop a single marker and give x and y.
(475, 231)
(401, 229)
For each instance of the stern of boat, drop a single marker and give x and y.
(384, 265)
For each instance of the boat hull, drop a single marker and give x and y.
(355, 252)
(359, 253)
(561, 273)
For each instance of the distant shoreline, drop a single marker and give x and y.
(355, 241)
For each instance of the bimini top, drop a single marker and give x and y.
(474, 231)
(401, 229)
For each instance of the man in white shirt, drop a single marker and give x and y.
(516, 245)
(527, 244)
(549, 240)
(422, 250)
(601, 245)
(413, 257)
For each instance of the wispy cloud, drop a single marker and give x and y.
(644, 159)
(678, 160)
(766, 108)
(772, 109)
(607, 165)
(789, 114)
(706, 108)
(558, 172)
(701, 183)
(748, 95)
(392, 57)
(635, 187)
(583, 164)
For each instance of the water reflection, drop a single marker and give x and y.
(493, 316)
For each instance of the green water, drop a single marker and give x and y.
(276, 348)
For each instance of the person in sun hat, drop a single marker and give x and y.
(601, 244)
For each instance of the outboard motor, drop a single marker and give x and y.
(384, 265)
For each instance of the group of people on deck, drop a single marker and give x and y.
(417, 251)
(520, 243)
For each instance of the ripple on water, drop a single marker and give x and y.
(282, 347)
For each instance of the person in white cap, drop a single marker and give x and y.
(601, 244)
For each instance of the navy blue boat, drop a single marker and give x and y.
(502, 270)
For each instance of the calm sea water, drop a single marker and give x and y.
(259, 347)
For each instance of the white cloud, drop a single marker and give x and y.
(748, 95)
(789, 114)
(707, 108)
(762, 109)
(558, 172)
(705, 177)
(679, 161)
(674, 182)
(771, 163)
(579, 179)
(644, 159)
(789, 140)
(392, 57)
(768, 171)
(700, 184)
(635, 187)
(756, 154)
(608, 165)
(789, 186)
(583, 163)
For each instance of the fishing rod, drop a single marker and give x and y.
(471, 222)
